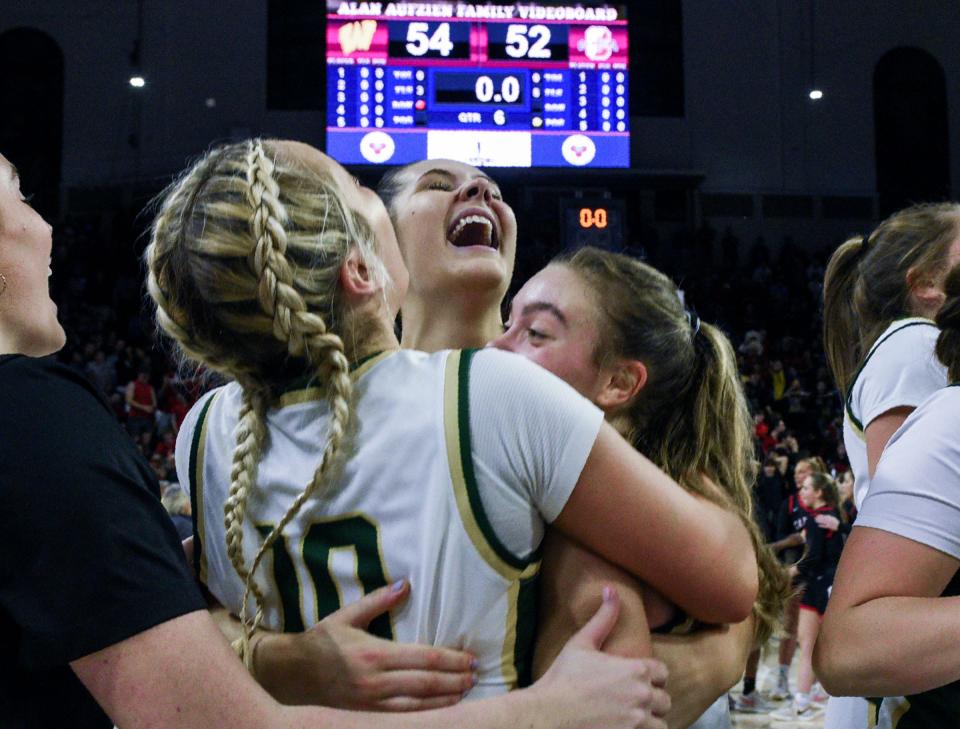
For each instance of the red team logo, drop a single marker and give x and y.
(598, 43)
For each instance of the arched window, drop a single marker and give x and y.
(31, 125)
(910, 118)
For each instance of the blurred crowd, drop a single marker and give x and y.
(768, 302)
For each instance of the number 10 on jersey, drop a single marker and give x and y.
(356, 535)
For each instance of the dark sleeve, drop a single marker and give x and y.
(89, 556)
(813, 558)
(845, 528)
(784, 522)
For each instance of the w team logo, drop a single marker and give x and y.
(578, 150)
(357, 36)
(377, 147)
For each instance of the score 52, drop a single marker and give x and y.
(521, 42)
(429, 40)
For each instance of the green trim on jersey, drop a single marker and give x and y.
(848, 404)
(886, 715)
(197, 451)
(466, 476)
(522, 575)
(526, 630)
(302, 390)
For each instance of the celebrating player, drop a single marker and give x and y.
(102, 621)
(880, 295)
(891, 626)
(457, 237)
(343, 461)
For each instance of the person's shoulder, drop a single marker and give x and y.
(41, 380)
(230, 393)
(510, 364)
(905, 339)
(936, 418)
(902, 358)
(476, 365)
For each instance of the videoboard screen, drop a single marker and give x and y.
(525, 85)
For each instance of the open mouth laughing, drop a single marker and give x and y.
(474, 227)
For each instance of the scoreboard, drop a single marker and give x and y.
(525, 85)
(593, 221)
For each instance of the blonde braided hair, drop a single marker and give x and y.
(243, 267)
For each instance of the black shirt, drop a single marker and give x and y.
(791, 519)
(770, 493)
(823, 547)
(88, 558)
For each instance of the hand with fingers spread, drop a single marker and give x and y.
(585, 688)
(337, 663)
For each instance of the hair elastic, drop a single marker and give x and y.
(694, 321)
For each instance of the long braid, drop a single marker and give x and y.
(251, 434)
(243, 264)
(306, 335)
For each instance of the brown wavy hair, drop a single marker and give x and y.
(865, 286)
(691, 417)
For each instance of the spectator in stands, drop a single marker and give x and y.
(771, 490)
(141, 402)
(102, 373)
(177, 504)
(819, 497)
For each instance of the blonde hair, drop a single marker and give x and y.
(244, 260)
(691, 417)
(815, 463)
(865, 286)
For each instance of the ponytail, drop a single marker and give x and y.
(841, 328)
(721, 434)
(865, 288)
(691, 417)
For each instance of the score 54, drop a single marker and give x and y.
(429, 40)
(420, 41)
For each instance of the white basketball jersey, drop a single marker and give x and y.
(900, 370)
(403, 502)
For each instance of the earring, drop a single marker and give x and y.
(3, 284)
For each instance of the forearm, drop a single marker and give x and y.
(571, 582)
(725, 570)
(921, 634)
(703, 666)
(794, 540)
(516, 709)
